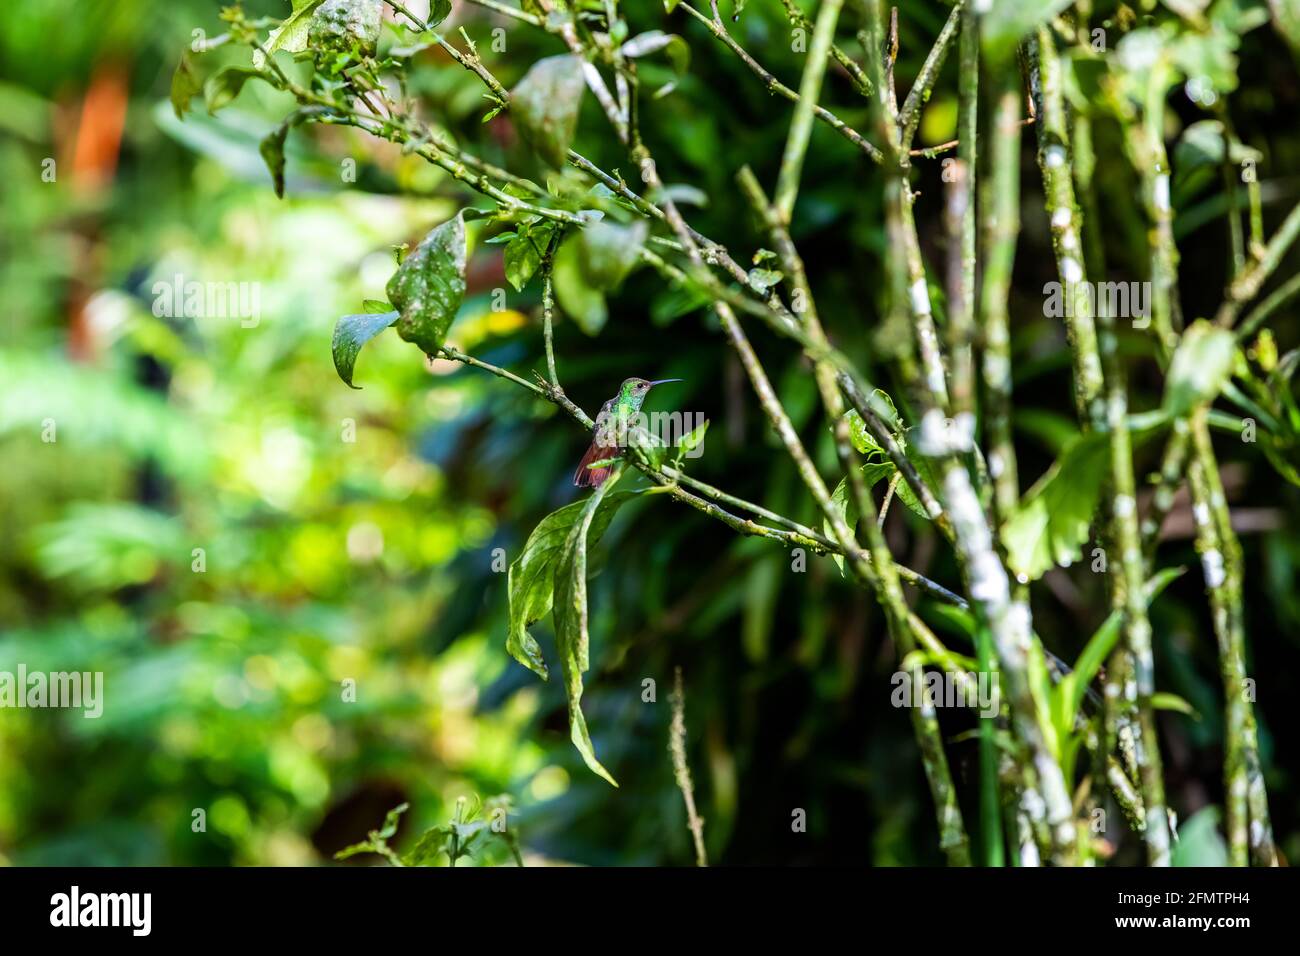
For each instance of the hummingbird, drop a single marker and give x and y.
(614, 417)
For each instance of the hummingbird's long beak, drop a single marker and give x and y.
(664, 381)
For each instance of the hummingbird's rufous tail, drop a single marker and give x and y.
(593, 477)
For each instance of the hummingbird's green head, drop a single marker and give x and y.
(634, 390)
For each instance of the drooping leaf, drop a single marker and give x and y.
(545, 104)
(222, 88)
(570, 612)
(1007, 22)
(185, 86)
(350, 333)
(580, 299)
(530, 581)
(1201, 366)
(610, 251)
(593, 262)
(272, 147)
(429, 286)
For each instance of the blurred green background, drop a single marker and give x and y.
(350, 535)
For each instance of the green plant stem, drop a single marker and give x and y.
(1055, 167)
(1247, 285)
(961, 219)
(1250, 833)
(910, 115)
(810, 86)
(851, 67)
(682, 770)
(1097, 369)
(1000, 211)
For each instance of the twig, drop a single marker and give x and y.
(682, 771)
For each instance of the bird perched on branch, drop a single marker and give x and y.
(610, 432)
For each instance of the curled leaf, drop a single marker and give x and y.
(350, 333)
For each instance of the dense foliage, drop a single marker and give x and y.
(568, 194)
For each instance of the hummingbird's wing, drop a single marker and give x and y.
(601, 448)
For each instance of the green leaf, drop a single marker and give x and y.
(530, 581)
(1007, 22)
(376, 306)
(1051, 524)
(1203, 144)
(611, 251)
(353, 331)
(571, 637)
(439, 10)
(222, 88)
(579, 298)
(185, 86)
(377, 840)
(1201, 366)
(591, 263)
(762, 280)
(427, 848)
(524, 253)
(272, 147)
(1167, 701)
(290, 35)
(1199, 842)
(842, 500)
(545, 104)
(429, 286)
(690, 441)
